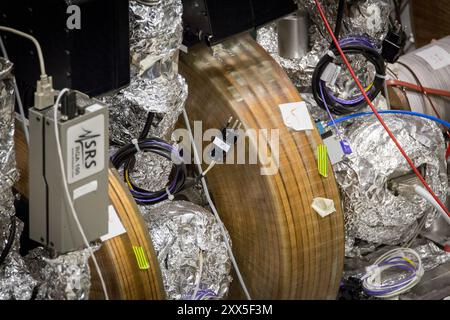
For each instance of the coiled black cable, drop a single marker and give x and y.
(350, 46)
(125, 157)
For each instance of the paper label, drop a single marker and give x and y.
(296, 116)
(86, 149)
(115, 226)
(222, 145)
(435, 56)
(335, 152)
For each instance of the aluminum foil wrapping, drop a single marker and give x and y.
(156, 36)
(156, 86)
(432, 256)
(191, 249)
(130, 107)
(66, 277)
(373, 213)
(156, 30)
(15, 280)
(370, 17)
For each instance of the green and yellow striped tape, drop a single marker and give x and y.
(141, 259)
(322, 161)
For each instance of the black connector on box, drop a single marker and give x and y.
(69, 105)
(394, 43)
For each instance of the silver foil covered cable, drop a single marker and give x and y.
(374, 212)
(191, 250)
(15, 280)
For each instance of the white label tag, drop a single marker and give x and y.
(86, 149)
(296, 116)
(86, 189)
(94, 107)
(222, 145)
(115, 226)
(335, 152)
(183, 48)
(435, 56)
(331, 73)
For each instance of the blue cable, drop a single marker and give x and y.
(401, 112)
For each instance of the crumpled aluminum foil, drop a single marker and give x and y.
(66, 277)
(151, 172)
(156, 31)
(129, 108)
(369, 17)
(156, 86)
(372, 212)
(156, 36)
(181, 232)
(432, 256)
(16, 282)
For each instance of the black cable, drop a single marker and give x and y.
(143, 135)
(339, 18)
(125, 157)
(336, 107)
(147, 126)
(9, 244)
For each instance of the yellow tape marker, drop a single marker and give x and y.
(140, 257)
(322, 162)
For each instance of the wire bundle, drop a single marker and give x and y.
(125, 157)
(352, 45)
(399, 259)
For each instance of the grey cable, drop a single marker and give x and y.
(213, 207)
(35, 42)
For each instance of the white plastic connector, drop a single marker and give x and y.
(44, 97)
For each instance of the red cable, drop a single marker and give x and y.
(361, 88)
(424, 90)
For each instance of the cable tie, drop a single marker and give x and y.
(331, 54)
(171, 196)
(384, 77)
(135, 142)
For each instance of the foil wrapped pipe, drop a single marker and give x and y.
(129, 108)
(191, 250)
(16, 282)
(156, 31)
(155, 38)
(375, 213)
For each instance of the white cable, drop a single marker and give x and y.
(19, 99)
(427, 196)
(67, 193)
(213, 163)
(35, 42)
(213, 207)
(394, 259)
